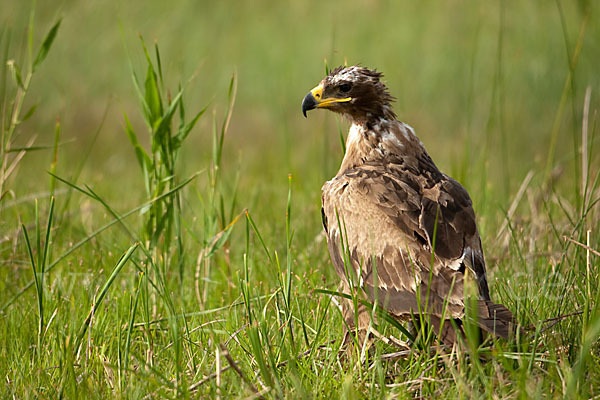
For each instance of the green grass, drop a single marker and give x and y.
(177, 252)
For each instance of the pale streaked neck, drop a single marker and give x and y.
(359, 145)
(376, 140)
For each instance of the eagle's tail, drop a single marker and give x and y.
(492, 318)
(496, 319)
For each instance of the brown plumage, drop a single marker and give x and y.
(381, 208)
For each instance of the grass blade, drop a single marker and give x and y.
(46, 44)
(120, 264)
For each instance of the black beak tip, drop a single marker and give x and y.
(309, 103)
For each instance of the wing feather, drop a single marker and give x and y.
(388, 218)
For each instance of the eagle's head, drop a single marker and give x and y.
(356, 92)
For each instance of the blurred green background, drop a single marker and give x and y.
(475, 79)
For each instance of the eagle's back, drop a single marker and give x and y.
(383, 256)
(380, 214)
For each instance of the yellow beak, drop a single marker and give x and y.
(314, 99)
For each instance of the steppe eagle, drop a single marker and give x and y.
(380, 214)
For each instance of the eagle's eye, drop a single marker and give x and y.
(345, 87)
